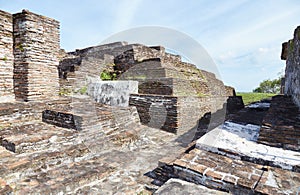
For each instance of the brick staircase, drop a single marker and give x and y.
(33, 153)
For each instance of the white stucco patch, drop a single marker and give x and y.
(239, 139)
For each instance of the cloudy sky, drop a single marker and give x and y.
(243, 37)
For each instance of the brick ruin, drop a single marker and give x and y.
(290, 53)
(171, 91)
(255, 151)
(7, 57)
(55, 140)
(29, 56)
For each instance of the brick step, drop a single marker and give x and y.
(160, 175)
(41, 160)
(54, 171)
(23, 112)
(71, 177)
(90, 116)
(232, 175)
(238, 142)
(34, 136)
(59, 164)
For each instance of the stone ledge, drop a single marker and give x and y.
(221, 141)
(235, 176)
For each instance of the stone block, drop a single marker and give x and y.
(114, 93)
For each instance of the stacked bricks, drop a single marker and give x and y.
(291, 53)
(163, 76)
(6, 57)
(36, 47)
(281, 125)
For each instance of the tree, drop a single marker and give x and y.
(269, 86)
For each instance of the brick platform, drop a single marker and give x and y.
(281, 125)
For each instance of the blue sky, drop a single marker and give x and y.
(243, 37)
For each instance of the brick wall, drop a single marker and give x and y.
(14, 113)
(36, 47)
(75, 67)
(157, 111)
(175, 114)
(291, 53)
(192, 109)
(6, 57)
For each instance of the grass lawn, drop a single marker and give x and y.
(254, 97)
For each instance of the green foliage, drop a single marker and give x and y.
(21, 47)
(144, 193)
(291, 45)
(202, 95)
(141, 77)
(254, 97)
(105, 75)
(111, 64)
(269, 86)
(4, 58)
(82, 90)
(64, 92)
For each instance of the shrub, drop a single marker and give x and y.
(105, 75)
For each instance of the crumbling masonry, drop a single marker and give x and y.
(29, 56)
(55, 141)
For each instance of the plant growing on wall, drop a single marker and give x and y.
(4, 58)
(82, 90)
(21, 47)
(105, 75)
(64, 92)
(291, 45)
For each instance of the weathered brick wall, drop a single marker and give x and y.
(157, 111)
(176, 114)
(150, 69)
(230, 91)
(180, 80)
(216, 86)
(162, 86)
(12, 113)
(291, 52)
(6, 57)
(158, 72)
(161, 77)
(36, 47)
(192, 109)
(281, 124)
(77, 66)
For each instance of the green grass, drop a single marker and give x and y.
(254, 97)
